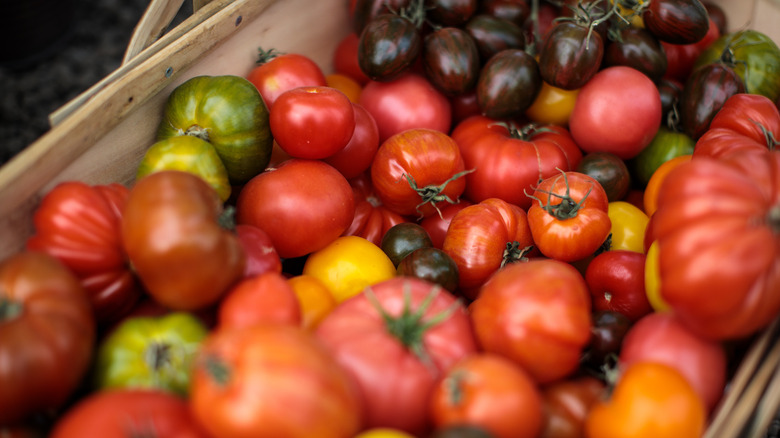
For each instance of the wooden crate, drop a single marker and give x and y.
(101, 136)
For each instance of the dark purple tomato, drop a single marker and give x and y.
(607, 333)
(508, 84)
(450, 12)
(365, 11)
(402, 239)
(670, 91)
(462, 431)
(430, 264)
(570, 55)
(677, 21)
(609, 170)
(493, 34)
(706, 90)
(516, 11)
(588, 11)
(388, 46)
(451, 60)
(639, 49)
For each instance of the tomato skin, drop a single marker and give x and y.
(79, 224)
(705, 92)
(277, 73)
(302, 204)
(314, 299)
(356, 157)
(552, 105)
(431, 264)
(667, 144)
(345, 59)
(677, 22)
(47, 321)
(121, 413)
(650, 196)
(570, 55)
(478, 239)
(395, 382)
(389, 45)
(682, 57)
(265, 298)
(184, 259)
(506, 317)
(261, 256)
(437, 225)
(609, 170)
(566, 405)
(372, 219)
(569, 218)
(403, 239)
(601, 107)
(616, 280)
(508, 84)
(241, 375)
(491, 392)
(416, 170)
(451, 60)
(629, 224)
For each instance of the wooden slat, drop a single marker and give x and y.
(152, 26)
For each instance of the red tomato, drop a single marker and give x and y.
(660, 337)
(569, 218)
(79, 225)
(405, 103)
(491, 392)
(372, 219)
(464, 106)
(396, 339)
(261, 256)
(272, 380)
(436, 225)
(312, 122)
(345, 59)
(617, 111)
(508, 161)
(616, 280)
(680, 58)
(302, 204)
(536, 313)
(124, 413)
(277, 73)
(417, 170)
(567, 404)
(356, 157)
(484, 237)
(263, 298)
(47, 335)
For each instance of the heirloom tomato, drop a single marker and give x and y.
(493, 34)
(680, 58)
(228, 112)
(122, 413)
(506, 159)
(347, 85)
(402, 239)
(396, 339)
(261, 256)
(417, 170)
(451, 60)
(609, 170)
(536, 313)
(628, 226)
(637, 48)
(606, 336)
(173, 239)
(314, 298)
(437, 224)
(79, 224)
(484, 237)
(264, 298)
(566, 403)
(552, 105)
(667, 144)
(383, 432)
(391, 43)
(489, 391)
(278, 72)
(47, 333)
(571, 54)
(508, 84)
(676, 21)
(272, 380)
(451, 12)
(569, 219)
(649, 400)
(716, 235)
(431, 264)
(372, 219)
(650, 196)
(598, 121)
(152, 352)
(345, 59)
(705, 92)
(302, 204)
(616, 281)
(355, 158)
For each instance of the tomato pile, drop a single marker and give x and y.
(495, 218)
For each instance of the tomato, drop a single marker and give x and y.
(463, 106)
(416, 170)
(391, 43)
(536, 313)
(616, 281)
(494, 34)
(650, 197)
(152, 352)
(508, 160)
(571, 53)
(650, 399)
(314, 299)
(431, 264)
(372, 219)
(403, 239)
(606, 337)
(272, 380)
(680, 58)
(346, 84)
(451, 60)
(508, 84)
(383, 432)
(489, 391)
(599, 120)
(355, 158)
(567, 403)
(189, 154)
(437, 224)
(705, 92)
(715, 230)
(264, 298)
(569, 219)
(451, 12)
(628, 226)
(170, 231)
(410, 101)
(277, 72)
(396, 340)
(345, 59)
(461, 431)
(675, 21)
(637, 48)
(79, 225)
(610, 171)
(660, 337)
(667, 144)
(552, 105)
(484, 237)
(123, 413)
(302, 204)
(348, 265)
(228, 112)
(261, 256)
(46, 322)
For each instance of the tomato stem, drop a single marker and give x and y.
(769, 136)
(513, 253)
(264, 56)
(157, 355)
(568, 207)
(9, 309)
(433, 194)
(773, 217)
(217, 369)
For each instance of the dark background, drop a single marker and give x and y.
(51, 51)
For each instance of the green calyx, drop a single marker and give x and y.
(9, 309)
(568, 207)
(434, 194)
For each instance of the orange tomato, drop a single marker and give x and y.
(654, 183)
(315, 299)
(345, 84)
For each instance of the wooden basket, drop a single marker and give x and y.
(101, 136)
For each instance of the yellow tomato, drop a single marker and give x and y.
(346, 85)
(383, 433)
(552, 105)
(654, 183)
(348, 265)
(628, 226)
(653, 281)
(315, 299)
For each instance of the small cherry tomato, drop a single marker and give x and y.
(552, 105)
(277, 72)
(616, 281)
(628, 226)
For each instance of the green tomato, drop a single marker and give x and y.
(666, 144)
(188, 154)
(228, 112)
(150, 352)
